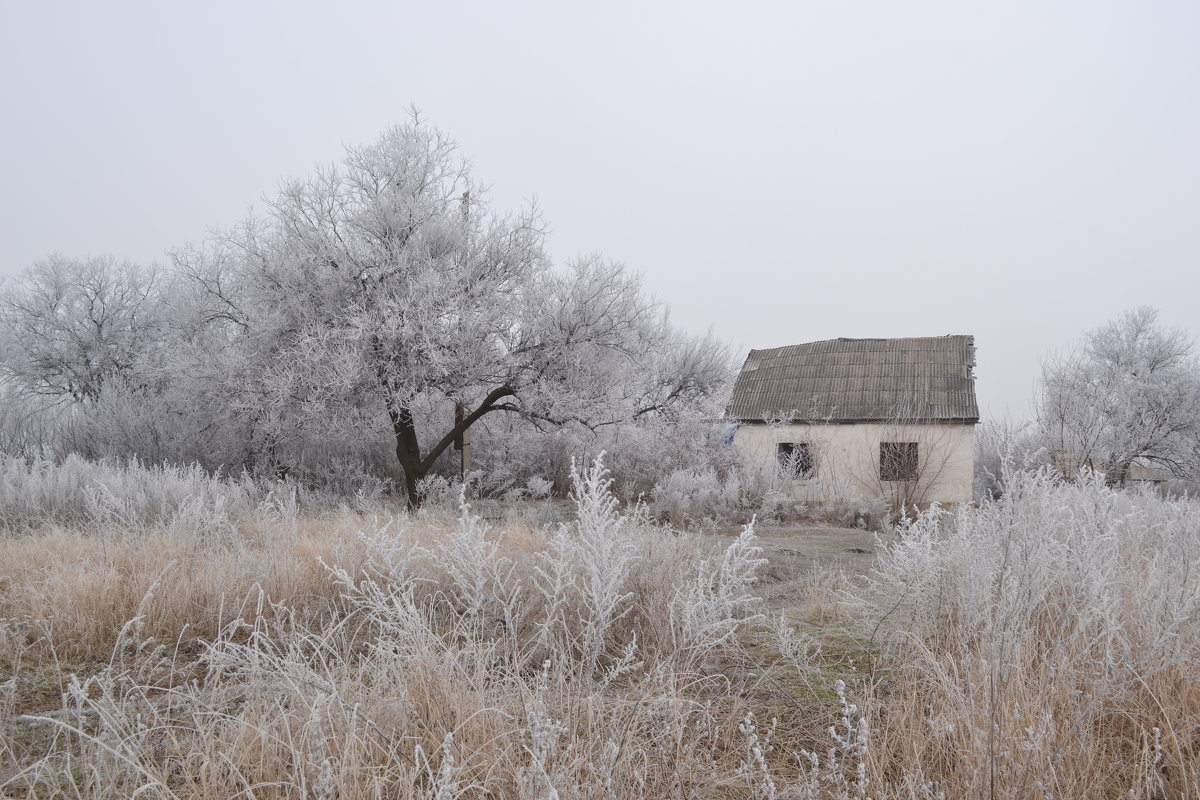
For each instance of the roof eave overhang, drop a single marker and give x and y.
(864, 421)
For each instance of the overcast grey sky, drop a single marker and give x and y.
(781, 173)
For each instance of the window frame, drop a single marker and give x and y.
(800, 468)
(899, 461)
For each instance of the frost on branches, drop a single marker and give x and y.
(1132, 391)
(388, 281)
(357, 309)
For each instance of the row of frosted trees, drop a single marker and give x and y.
(333, 336)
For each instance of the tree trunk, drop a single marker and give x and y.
(408, 448)
(408, 452)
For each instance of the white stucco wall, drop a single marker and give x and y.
(847, 459)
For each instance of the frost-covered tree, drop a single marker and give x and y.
(69, 326)
(1131, 391)
(387, 285)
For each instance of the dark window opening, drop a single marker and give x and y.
(898, 461)
(795, 460)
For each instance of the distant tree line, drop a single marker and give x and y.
(331, 338)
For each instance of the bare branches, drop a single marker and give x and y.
(365, 296)
(386, 279)
(1131, 391)
(69, 325)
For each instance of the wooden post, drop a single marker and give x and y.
(462, 442)
(465, 466)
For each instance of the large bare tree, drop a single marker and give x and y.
(388, 280)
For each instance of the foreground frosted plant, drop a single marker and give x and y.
(1046, 644)
(472, 561)
(603, 556)
(1059, 619)
(708, 609)
(754, 769)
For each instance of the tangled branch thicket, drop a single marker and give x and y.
(1043, 645)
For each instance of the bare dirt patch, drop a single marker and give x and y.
(803, 560)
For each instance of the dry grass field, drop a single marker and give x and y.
(1045, 645)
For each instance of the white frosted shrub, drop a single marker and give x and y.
(735, 492)
(102, 495)
(1045, 644)
(707, 609)
(538, 487)
(1059, 619)
(1004, 449)
(439, 492)
(690, 496)
(640, 452)
(600, 551)
(480, 577)
(846, 504)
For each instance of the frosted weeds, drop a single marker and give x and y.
(600, 550)
(1099, 553)
(479, 574)
(460, 663)
(1045, 644)
(695, 497)
(1028, 627)
(108, 497)
(708, 609)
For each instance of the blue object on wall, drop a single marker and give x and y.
(729, 436)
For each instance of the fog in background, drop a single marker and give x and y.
(777, 172)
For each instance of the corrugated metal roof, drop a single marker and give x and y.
(852, 380)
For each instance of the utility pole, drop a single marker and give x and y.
(462, 443)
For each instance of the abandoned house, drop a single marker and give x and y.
(891, 418)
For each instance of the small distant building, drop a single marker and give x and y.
(1142, 474)
(1138, 473)
(1067, 464)
(892, 418)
